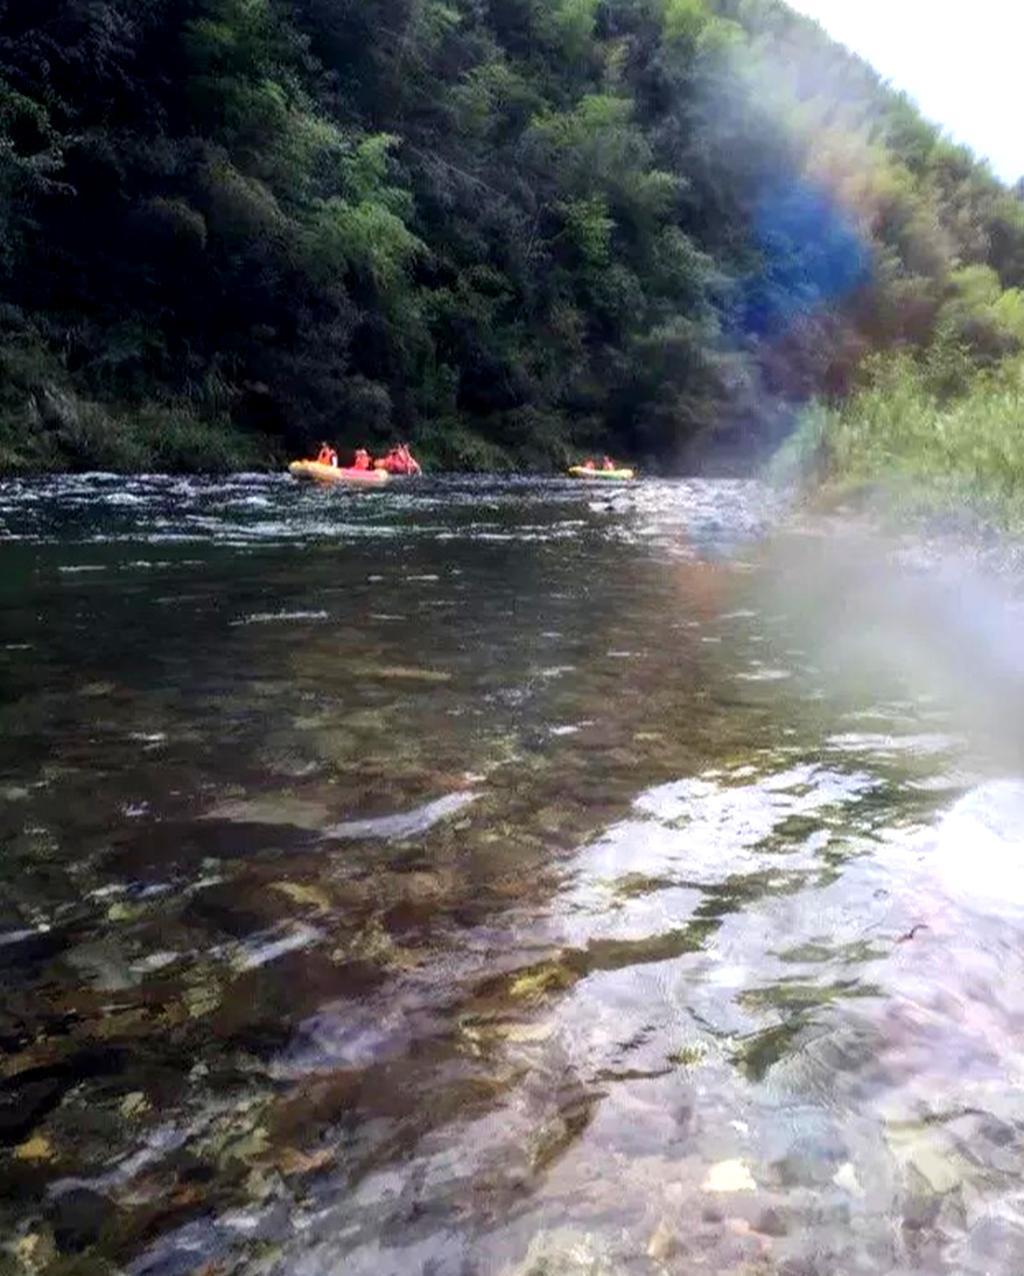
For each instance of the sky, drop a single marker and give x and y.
(961, 63)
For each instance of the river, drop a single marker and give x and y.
(498, 877)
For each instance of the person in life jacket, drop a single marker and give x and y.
(607, 463)
(327, 456)
(362, 459)
(409, 463)
(399, 460)
(588, 464)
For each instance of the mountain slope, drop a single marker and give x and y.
(505, 229)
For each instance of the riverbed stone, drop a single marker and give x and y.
(78, 1217)
(103, 965)
(35, 1250)
(729, 1176)
(134, 1105)
(771, 1222)
(846, 1178)
(809, 1162)
(565, 1253)
(22, 1104)
(37, 1148)
(994, 1245)
(664, 1242)
(921, 1203)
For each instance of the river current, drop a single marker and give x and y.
(505, 877)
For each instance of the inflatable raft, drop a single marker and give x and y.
(314, 472)
(581, 471)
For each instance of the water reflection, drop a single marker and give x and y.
(450, 881)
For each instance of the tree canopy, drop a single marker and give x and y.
(504, 229)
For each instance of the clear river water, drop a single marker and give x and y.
(505, 877)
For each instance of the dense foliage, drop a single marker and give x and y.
(503, 229)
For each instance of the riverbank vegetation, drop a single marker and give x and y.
(938, 428)
(901, 439)
(503, 229)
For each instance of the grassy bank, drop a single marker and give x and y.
(153, 438)
(928, 451)
(51, 430)
(46, 425)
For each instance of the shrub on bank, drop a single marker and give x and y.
(929, 450)
(47, 424)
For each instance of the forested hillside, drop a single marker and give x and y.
(502, 229)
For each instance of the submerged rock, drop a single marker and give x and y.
(664, 1243)
(564, 1253)
(37, 1148)
(26, 1100)
(994, 1244)
(101, 963)
(771, 1222)
(846, 1178)
(810, 1161)
(198, 1246)
(35, 1251)
(78, 1216)
(409, 824)
(729, 1176)
(405, 673)
(134, 1105)
(303, 894)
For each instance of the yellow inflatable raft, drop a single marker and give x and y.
(313, 471)
(581, 471)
